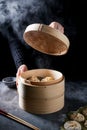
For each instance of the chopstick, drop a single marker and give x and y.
(17, 119)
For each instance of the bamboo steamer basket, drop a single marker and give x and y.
(44, 98)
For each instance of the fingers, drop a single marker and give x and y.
(58, 26)
(20, 70)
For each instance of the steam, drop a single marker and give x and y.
(20, 13)
(16, 15)
(13, 13)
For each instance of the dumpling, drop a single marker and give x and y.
(72, 125)
(77, 117)
(34, 79)
(85, 124)
(84, 111)
(46, 79)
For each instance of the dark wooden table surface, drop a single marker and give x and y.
(75, 97)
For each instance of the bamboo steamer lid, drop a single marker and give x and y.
(46, 39)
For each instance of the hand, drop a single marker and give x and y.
(58, 26)
(21, 69)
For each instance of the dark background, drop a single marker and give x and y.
(20, 13)
(7, 66)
